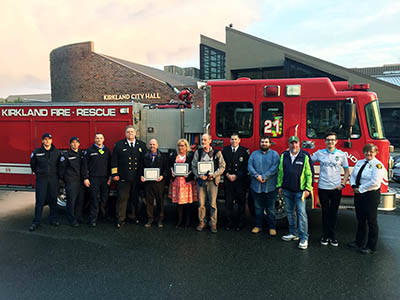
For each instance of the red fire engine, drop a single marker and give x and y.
(307, 108)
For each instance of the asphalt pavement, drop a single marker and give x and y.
(169, 263)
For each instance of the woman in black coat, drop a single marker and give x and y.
(182, 190)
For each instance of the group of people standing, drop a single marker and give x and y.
(289, 175)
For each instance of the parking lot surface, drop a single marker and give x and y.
(170, 263)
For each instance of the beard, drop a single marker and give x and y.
(264, 148)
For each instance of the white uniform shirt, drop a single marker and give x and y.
(331, 164)
(371, 177)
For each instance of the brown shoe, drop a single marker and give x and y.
(147, 225)
(272, 232)
(256, 230)
(214, 229)
(200, 227)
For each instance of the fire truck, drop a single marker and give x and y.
(308, 108)
(279, 108)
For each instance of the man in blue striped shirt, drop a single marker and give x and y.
(263, 168)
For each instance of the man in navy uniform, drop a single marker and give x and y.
(126, 165)
(96, 174)
(235, 182)
(72, 177)
(45, 164)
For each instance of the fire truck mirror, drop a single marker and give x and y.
(349, 114)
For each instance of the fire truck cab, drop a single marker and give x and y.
(306, 107)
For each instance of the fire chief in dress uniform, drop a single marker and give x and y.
(235, 182)
(126, 166)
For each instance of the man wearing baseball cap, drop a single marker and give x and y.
(45, 164)
(73, 179)
(295, 182)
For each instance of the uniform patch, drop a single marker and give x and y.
(140, 149)
(240, 159)
(114, 170)
(379, 166)
(62, 158)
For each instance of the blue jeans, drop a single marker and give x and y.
(264, 201)
(292, 201)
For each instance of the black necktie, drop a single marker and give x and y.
(131, 145)
(358, 178)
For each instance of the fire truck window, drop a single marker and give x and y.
(325, 116)
(271, 119)
(234, 117)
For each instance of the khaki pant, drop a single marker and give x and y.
(208, 191)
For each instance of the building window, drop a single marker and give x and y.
(234, 117)
(326, 116)
(271, 119)
(212, 63)
(295, 69)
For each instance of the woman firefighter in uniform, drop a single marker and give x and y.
(366, 180)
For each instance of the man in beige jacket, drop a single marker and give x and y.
(208, 183)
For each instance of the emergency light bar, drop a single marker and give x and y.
(272, 91)
(293, 90)
(360, 87)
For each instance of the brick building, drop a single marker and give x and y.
(80, 74)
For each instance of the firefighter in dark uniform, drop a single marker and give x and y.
(126, 165)
(96, 174)
(72, 177)
(45, 164)
(235, 182)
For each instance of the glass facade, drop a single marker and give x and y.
(212, 63)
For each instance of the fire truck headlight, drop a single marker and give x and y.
(293, 90)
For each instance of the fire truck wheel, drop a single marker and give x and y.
(61, 200)
(280, 212)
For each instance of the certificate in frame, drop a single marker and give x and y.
(181, 169)
(151, 174)
(204, 167)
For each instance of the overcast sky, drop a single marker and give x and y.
(164, 32)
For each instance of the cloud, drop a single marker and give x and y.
(148, 31)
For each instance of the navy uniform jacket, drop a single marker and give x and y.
(96, 162)
(236, 163)
(71, 166)
(127, 162)
(46, 162)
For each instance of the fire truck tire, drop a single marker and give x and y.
(61, 199)
(280, 212)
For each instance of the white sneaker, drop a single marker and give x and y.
(303, 244)
(290, 237)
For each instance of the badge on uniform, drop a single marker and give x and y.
(101, 151)
(140, 149)
(62, 158)
(241, 159)
(32, 154)
(379, 166)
